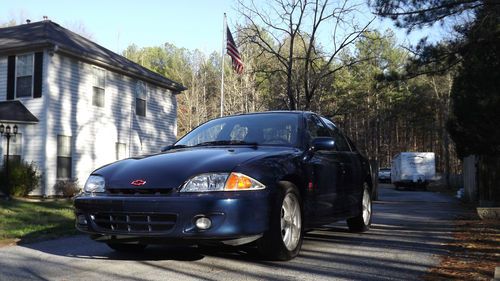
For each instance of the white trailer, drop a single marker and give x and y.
(413, 169)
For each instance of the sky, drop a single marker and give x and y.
(192, 24)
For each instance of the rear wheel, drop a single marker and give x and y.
(363, 221)
(284, 238)
(122, 247)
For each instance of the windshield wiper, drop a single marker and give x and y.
(179, 146)
(173, 146)
(227, 142)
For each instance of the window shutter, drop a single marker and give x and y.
(11, 77)
(37, 79)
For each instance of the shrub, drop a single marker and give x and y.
(68, 188)
(24, 178)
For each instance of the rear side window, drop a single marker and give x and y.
(315, 128)
(340, 140)
(353, 147)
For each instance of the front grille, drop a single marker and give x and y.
(139, 191)
(134, 223)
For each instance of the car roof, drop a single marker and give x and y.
(271, 111)
(261, 113)
(301, 112)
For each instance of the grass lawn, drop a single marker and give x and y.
(32, 221)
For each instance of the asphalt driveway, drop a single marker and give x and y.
(409, 229)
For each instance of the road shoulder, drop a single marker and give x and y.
(474, 251)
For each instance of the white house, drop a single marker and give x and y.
(88, 105)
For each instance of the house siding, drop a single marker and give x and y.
(3, 78)
(32, 134)
(65, 108)
(94, 130)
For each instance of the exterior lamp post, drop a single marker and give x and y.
(6, 132)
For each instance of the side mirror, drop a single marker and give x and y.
(166, 148)
(323, 143)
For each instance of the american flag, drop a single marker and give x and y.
(232, 51)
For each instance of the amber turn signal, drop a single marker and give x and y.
(237, 181)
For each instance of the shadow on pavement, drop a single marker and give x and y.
(406, 236)
(96, 250)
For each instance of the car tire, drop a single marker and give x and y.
(126, 248)
(283, 240)
(363, 221)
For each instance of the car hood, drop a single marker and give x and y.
(172, 168)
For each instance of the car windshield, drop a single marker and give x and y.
(253, 129)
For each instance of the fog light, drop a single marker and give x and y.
(81, 219)
(203, 223)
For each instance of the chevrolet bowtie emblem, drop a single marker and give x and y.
(138, 182)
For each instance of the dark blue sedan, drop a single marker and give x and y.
(262, 178)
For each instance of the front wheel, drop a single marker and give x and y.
(284, 238)
(363, 221)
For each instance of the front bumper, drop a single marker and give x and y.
(233, 215)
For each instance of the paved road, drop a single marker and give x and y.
(409, 229)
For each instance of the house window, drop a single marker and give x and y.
(140, 107)
(64, 159)
(140, 98)
(99, 84)
(24, 76)
(15, 149)
(121, 150)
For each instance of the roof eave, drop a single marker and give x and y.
(16, 112)
(18, 122)
(175, 87)
(13, 49)
(18, 48)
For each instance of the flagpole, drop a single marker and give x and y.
(222, 66)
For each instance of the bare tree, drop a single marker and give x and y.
(289, 31)
(9, 23)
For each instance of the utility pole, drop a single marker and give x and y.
(222, 67)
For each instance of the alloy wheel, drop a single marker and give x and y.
(367, 207)
(291, 221)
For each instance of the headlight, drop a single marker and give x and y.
(221, 182)
(206, 182)
(94, 184)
